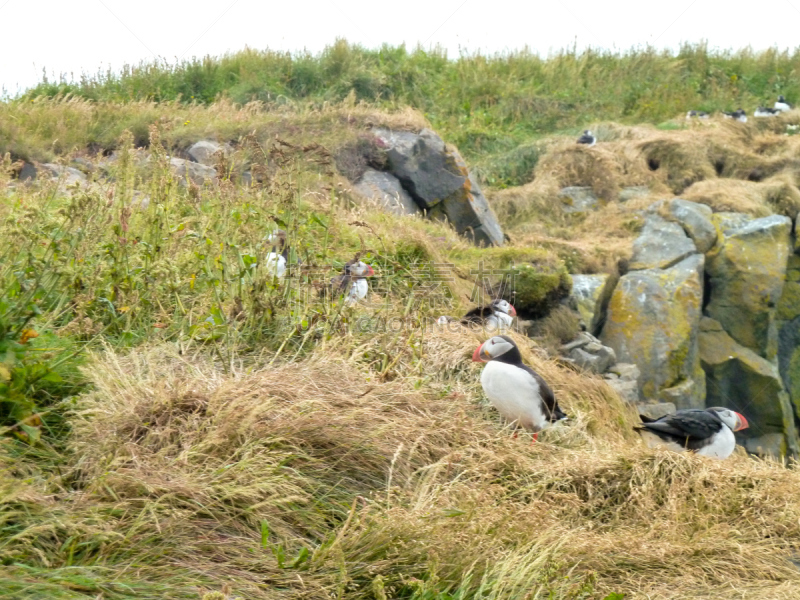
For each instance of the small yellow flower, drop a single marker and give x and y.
(27, 334)
(124, 309)
(191, 281)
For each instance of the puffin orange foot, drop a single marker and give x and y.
(535, 438)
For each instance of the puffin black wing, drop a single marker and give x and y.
(477, 315)
(586, 139)
(554, 412)
(689, 428)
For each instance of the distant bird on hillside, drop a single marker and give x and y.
(496, 316)
(763, 111)
(352, 281)
(706, 432)
(782, 105)
(738, 114)
(699, 114)
(587, 138)
(518, 392)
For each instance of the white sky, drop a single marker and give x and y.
(75, 36)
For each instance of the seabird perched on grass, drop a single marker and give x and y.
(763, 111)
(277, 258)
(699, 114)
(738, 114)
(706, 432)
(587, 138)
(352, 281)
(496, 316)
(518, 392)
(782, 105)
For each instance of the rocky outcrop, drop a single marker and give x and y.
(66, 175)
(660, 245)
(587, 353)
(696, 222)
(577, 199)
(740, 379)
(747, 272)
(652, 321)
(624, 379)
(386, 192)
(438, 180)
(186, 170)
(204, 152)
(590, 295)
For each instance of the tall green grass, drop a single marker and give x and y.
(485, 104)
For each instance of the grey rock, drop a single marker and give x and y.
(577, 199)
(626, 371)
(636, 191)
(660, 245)
(652, 321)
(593, 357)
(246, 179)
(27, 173)
(589, 296)
(740, 379)
(656, 410)
(627, 390)
(187, 170)
(769, 444)
(582, 339)
(686, 393)
(696, 221)
(203, 152)
(385, 190)
(67, 175)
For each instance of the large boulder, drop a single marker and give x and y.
(577, 199)
(385, 190)
(696, 221)
(186, 170)
(747, 272)
(788, 324)
(652, 322)
(437, 178)
(203, 152)
(624, 379)
(660, 245)
(740, 379)
(590, 294)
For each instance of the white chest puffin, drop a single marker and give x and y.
(278, 257)
(352, 282)
(706, 432)
(518, 392)
(496, 316)
(782, 105)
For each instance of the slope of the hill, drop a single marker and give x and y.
(227, 431)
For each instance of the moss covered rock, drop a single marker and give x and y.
(747, 272)
(590, 295)
(660, 245)
(652, 321)
(740, 379)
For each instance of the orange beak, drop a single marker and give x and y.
(743, 424)
(476, 356)
(513, 312)
(370, 272)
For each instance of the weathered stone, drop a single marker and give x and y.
(660, 245)
(385, 191)
(576, 199)
(656, 410)
(627, 390)
(590, 294)
(67, 175)
(203, 152)
(696, 221)
(27, 172)
(740, 379)
(729, 221)
(652, 321)
(626, 371)
(187, 170)
(593, 357)
(438, 180)
(686, 389)
(635, 191)
(581, 340)
(747, 273)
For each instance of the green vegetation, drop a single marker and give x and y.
(488, 106)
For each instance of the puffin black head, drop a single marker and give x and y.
(504, 306)
(731, 418)
(278, 240)
(501, 348)
(782, 99)
(358, 269)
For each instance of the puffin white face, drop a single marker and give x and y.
(492, 348)
(277, 236)
(587, 132)
(361, 269)
(732, 419)
(504, 307)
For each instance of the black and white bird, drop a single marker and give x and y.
(782, 105)
(352, 282)
(518, 392)
(763, 111)
(696, 114)
(496, 316)
(738, 114)
(587, 138)
(706, 432)
(278, 256)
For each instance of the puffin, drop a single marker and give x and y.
(738, 114)
(279, 255)
(782, 105)
(587, 138)
(518, 392)
(496, 316)
(763, 111)
(706, 432)
(352, 281)
(699, 114)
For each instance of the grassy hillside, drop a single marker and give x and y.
(489, 106)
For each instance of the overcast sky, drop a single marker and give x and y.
(75, 36)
